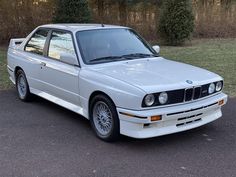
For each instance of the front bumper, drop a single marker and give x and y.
(174, 118)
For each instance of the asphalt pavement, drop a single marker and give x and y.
(41, 139)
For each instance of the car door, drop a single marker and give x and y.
(33, 55)
(61, 77)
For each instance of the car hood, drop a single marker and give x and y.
(157, 74)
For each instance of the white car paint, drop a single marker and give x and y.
(157, 74)
(125, 82)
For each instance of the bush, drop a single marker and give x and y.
(72, 11)
(176, 21)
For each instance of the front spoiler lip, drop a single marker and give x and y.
(137, 131)
(171, 118)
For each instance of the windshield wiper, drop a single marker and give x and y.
(112, 58)
(128, 56)
(141, 55)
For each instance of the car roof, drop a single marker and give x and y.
(80, 27)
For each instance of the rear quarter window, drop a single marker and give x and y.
(37, 42)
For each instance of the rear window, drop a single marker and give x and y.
(37, 42)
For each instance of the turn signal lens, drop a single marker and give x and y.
(221, 102)
(155, 118)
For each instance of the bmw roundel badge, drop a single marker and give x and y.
(189, 81)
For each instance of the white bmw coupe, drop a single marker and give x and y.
(113, 77)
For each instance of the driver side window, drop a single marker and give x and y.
(60, 42)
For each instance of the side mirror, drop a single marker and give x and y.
(68, 58)
(156, 48)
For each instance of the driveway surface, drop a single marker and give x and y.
(41, 139)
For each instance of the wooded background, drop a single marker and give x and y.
(213, 18)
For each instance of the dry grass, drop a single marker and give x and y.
(5, 83)
(217, 55)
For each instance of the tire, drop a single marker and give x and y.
(104, 119)
(22, 86)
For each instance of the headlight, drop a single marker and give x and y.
(219, 86)
(163, 97)
(149, 100)
(211, 88)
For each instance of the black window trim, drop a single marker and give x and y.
(47, 42)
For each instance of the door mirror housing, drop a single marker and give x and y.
(156, 48)
(68, 58)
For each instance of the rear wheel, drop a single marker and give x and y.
(22, 86)
(104, 118)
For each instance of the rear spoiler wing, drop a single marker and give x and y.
(14, 43)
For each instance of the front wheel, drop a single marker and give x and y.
(104, 118)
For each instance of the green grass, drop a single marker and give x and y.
(5, 83)
(217, 55)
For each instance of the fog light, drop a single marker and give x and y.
(155, 118)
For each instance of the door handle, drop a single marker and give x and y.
(43, 64)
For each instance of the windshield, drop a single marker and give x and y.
(108, 45)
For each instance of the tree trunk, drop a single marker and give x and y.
(123, 12)
(100, 6)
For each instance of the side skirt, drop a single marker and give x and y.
(60, 102)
